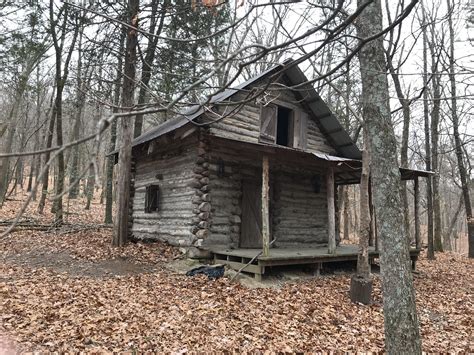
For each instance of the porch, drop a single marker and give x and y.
(253, 261)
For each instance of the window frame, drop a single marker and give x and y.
(297, 130)
(152, 192)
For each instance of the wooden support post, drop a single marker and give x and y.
(331, 211)
(417, 213)
(265, 206)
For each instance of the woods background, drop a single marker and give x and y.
(62, 72)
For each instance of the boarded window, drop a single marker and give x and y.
(152, 198)
(268, 123)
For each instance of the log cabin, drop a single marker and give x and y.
(250, 179)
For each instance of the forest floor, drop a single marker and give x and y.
(68, 290)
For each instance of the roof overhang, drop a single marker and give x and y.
(347, 171)
(327, 122)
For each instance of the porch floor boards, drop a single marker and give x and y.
(237, 258)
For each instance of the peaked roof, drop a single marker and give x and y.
(327, 122)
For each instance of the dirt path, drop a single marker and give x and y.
(64, 263)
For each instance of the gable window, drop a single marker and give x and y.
(283, 126)
(152, 198)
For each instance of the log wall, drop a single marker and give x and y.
(298, 214)
(171, 167)
(244, 125)
(200, 184)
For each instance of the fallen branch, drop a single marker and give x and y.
(250, 262)
(63, 228)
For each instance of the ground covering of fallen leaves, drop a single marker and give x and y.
(73, 292)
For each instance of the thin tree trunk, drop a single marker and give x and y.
(113, 135)
(148, 60)
(90, 187)
(457, 140)
(429, 190)
(435, 116)
(30, 175)
(364, 225)
(79, 107)
(361, 283)
(47, 155)
(35, 161)
(125, 152)
(10, 132)
(400, 318)
(404, 147)
(452, 226)
(61, 77)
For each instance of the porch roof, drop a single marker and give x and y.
(347, 171)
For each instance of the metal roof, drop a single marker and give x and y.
(327, 122)
(197, 110)
(348, 170)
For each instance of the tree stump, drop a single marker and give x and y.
(361, 289)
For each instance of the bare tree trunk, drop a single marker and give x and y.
(405, 135)
(61, 77)
(390, 52)
(10, 131)
(435, 116)
(79, 107)
(45, 178)
(150, 52)
(429, 192)
(30, 175)
(451, 232)
(400, 318)
(90, 187)
(457, 140)
(36, 161)
(361, 282)
(125, 151)
(113, 135)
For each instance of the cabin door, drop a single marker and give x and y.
(251, 227)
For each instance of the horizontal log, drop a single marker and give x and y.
(170, 239)
(184, 231)
(217, 239)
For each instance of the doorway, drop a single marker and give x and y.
(251, 224)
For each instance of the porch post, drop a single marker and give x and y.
(265, 203)
(417, 213)
(331, 211)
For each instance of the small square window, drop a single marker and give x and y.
(152, 198)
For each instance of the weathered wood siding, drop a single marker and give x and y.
(244, 125)
(170, 167)
(226, 193)
(298, 214)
